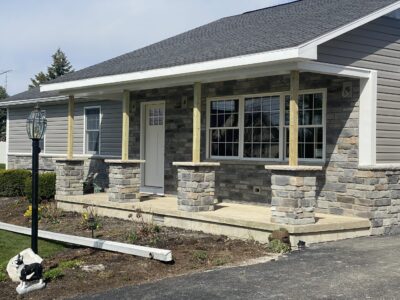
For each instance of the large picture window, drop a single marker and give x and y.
(256, 127)
(92, 130)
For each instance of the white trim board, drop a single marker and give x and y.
(147, 252)
(7, 137)
(189, 69)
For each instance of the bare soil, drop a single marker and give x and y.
(192, 252)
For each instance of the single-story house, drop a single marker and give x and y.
(294, 107)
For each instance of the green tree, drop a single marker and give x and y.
(3, 115)
(59, 66)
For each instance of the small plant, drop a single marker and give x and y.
(220, 261)
(28, 212)
(90, 219)
(70, 264)
(53, 274)
(143, 231)
(200, 256)
(51, 214)
(277, 246)
(58, 272)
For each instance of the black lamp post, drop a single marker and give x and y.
(35, 127)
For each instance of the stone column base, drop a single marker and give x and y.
(124, 180)
(293, 196)
(69, 177)
(196, 186)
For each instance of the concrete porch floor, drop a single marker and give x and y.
(233, 220)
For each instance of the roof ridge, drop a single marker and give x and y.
(269, 7)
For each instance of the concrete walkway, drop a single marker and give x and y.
(363, 268)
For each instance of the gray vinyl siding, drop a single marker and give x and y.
(375, 46)
(56, 134)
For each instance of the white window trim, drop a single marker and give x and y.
(241, 99)
(84, 129)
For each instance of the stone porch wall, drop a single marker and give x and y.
(47, 163)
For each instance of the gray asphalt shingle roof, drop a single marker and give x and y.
(268, 29)
(34, 93)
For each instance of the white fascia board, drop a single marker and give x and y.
(332, 69)
(348, 27)
(32, 101)
(196, 68)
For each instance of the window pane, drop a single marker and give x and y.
(261, 117)
(318, 101)
(274, 151)
(309, 135)
(275, 134)
(308, 101)
(92, 141)
(317, 117)
(247, 150)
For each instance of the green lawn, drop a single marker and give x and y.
(11, 244)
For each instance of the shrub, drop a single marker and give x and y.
(277, 246)
(12, 182)
(47, 186)
(2, 166)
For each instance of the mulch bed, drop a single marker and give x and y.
(192, 252)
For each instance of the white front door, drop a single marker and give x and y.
(153, 151)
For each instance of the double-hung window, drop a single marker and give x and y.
(311, 126)
(224, 128)
(257, 127)
(92, 130)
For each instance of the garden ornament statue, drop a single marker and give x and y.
(26, 268)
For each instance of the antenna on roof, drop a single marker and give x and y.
(5, 73)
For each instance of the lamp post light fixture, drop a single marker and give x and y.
(36, 125)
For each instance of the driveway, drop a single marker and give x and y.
(363, 268)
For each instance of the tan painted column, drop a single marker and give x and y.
(196, 122)
(294, 118)
(70, 137)
(125, 125)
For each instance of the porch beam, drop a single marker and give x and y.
(294, 118)
(70, 136)
(125, 125)
(196, 122)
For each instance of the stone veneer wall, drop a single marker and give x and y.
(46, 163)
(241, 181)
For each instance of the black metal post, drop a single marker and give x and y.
(35, 188)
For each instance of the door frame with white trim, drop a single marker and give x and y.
(143, 188)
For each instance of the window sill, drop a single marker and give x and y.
(293, 168)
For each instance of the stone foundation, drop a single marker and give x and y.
(124, 177)
(69, 177)
(196, 186)
(293, 196)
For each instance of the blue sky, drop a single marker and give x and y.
(91, 31)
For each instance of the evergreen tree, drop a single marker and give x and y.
(3, 116)
(60, 66)
(39, 79)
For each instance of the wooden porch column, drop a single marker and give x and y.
(70, 137)
(196, 122)
(125, 126)
(294, 118)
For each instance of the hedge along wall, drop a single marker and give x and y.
(12, 182)
(15, 183)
